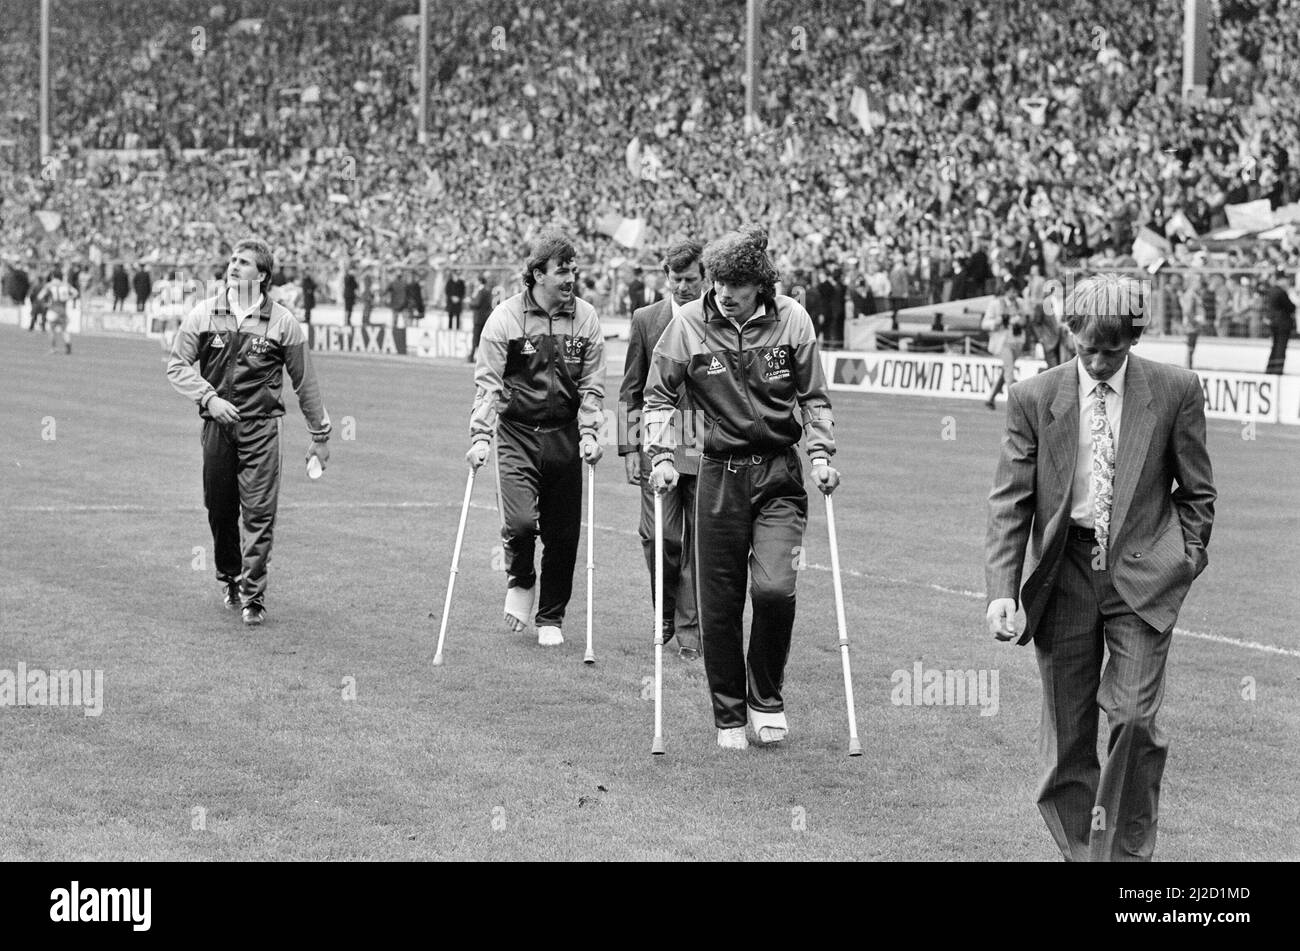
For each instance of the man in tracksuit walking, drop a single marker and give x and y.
(539, 388)
(749, 363)
(243, 342)
(685, 282)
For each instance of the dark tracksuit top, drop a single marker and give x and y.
(244, 362)
(539, 386)
(756, 391)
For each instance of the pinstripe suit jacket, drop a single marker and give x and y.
(1158, 533)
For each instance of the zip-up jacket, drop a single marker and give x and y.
(756, 389)
(539, 369)
(244, 362)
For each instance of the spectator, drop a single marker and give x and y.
(1279, 317)
(864, 302)
(308, 296)
(831, 292)
(397, 299)
(349, 294)
(1195, 320)
(1005, 323)
(368, 292)
(1044, 327)
(413, 302)
(638, 294)
(900, 284)
(454, 292)
(18, 286)
(121, 286)
(481, 304)
(142, 284)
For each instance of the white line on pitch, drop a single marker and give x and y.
(942, 589)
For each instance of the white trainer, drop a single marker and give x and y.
(733, 738)
(548, 635)
(769, 728)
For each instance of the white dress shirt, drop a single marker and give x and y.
(1081, 490)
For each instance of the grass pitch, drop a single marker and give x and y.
(327, 734)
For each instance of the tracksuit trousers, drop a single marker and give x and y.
(750, 513)
(241, 477)
(539, 476)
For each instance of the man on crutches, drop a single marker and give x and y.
(539, 387)
(749, 362)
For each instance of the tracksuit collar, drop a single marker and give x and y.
(532, 307)
(765, 310)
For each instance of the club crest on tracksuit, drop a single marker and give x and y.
(528, 347)
(260, 345)
(716, 367)
(777, 361)
(575, 348)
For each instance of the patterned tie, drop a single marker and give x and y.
(1103, 468)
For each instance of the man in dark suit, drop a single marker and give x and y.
(121, 286)
(1091, 450)
(685, 273)
(414, 303)
(454, 291)
(831, 292)
(349, 294)
(481, 305)
(638, 293)
(142, 284)
(1279, 316)
(308, 297)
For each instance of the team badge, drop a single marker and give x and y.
(777, 364)
(261, 345)
(528, 347)
(217, 342)
(716, 367)
(574, 348)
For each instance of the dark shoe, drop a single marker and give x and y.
(231, 597)
(669, 631)
(688, 653)
(990, 404)
(254, 615)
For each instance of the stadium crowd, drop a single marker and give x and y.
(990, 141)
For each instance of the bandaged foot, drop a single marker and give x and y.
(519, 608)
(767, 727)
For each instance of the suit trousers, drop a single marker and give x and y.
(539, 476)
(1099, 812)
(679, 575)
(241, 478)
(749, 523)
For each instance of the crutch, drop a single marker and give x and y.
(657, 747)
(455, 566)
(591, 562)
(855, 748)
